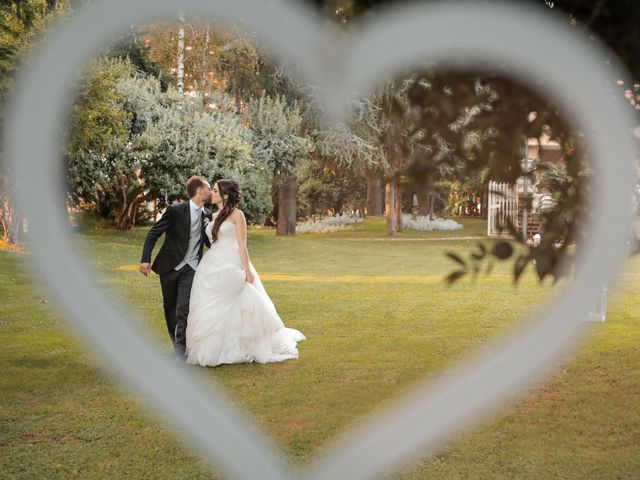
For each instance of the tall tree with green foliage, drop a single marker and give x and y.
(331, 186)
(218, 57)
(133, 143)
(131, 47)
(21, 22)
(279, 142)
(354, 146)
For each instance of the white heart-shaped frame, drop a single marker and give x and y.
(453, 35)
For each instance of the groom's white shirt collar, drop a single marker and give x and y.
(194, 206)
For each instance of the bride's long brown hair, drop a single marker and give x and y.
(232, 189)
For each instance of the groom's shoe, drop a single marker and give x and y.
(180, 356)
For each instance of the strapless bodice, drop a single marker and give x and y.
(226, 234)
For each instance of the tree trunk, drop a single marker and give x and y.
(431, 202)
(374, 194)
(130, 199)
(485, 201)
(390, 206)
(272, 217)
(126, 216)
(424, 200)
(287, 206)
(398, 201)
(180, 69)
(205, 54)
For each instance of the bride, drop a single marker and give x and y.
(231, 317)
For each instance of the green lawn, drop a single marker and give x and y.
(378, 318)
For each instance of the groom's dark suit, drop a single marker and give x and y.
(176, 284)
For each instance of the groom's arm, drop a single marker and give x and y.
(154, 234)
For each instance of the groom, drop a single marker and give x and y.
(178, 258)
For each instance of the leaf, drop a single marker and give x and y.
(453, 276)
(502, 250)
(482, 252)
(476, 270)
(477, 256)
(519, 266)
(456, 258)
(489, 268)
(543, 264)
(563, 267)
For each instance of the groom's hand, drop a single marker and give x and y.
(145, 268)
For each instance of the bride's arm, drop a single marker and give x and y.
(241, 238)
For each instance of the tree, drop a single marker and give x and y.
(100, 126)
(219, 57)
(355, 148)
(412, 151)
(131, 47)
(278, 142)
(180, 62)
(133, 143)
(21, 21)
(368, 145)
(387, 138)
(330, 186)
(399, 141)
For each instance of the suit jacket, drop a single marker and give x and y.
(176, 226)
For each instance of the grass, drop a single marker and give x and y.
(379, 320)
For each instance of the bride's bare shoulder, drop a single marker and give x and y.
(237, 214)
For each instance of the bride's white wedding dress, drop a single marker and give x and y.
(231, 320)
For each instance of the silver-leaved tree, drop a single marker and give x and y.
(142, 145)
(279, 141)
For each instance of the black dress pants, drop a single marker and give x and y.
(176, 291)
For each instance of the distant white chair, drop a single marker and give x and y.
(599, 311)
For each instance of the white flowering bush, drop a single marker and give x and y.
(343, 220)
(423, 223)
(329, 224)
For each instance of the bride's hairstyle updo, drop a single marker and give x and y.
(232, 189)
